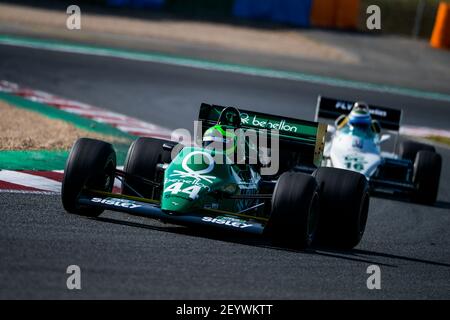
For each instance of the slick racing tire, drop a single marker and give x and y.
(142, 159)
(408, 149)
(427, 172)
(295, 208)
(344, 206)
(90, 165)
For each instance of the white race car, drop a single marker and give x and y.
(355, 144)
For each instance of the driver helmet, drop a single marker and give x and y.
(230, 116)
(218, 137)
(360, 115)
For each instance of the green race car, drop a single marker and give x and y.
(298, 205)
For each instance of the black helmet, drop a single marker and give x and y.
(230, 116)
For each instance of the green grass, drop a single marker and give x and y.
(55, 159)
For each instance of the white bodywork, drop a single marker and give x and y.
(351, 150)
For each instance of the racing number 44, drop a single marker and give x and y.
(177, 187)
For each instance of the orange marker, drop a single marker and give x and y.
(441, 32)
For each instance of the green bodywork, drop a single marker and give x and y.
(194, 180)
(308, 136)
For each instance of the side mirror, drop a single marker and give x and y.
(376, 126)
(331, 129)
(385, 137)
(341, 121)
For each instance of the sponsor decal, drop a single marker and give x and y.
(228, 221)
(168, 181)
(281, 125)
(378, 112)
(355, 162)
(196, 179)
(197, 175)
(117, 202)
(347, 106)
(357, 143)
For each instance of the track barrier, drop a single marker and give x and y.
(347, 14)
(341, 14)
(136, 3)
(294, 12)
(323, 13)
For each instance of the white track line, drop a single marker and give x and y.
(47, 193)
(30, 180)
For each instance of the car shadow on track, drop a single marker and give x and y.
(442, 204)
(355, 255)
(438, 204)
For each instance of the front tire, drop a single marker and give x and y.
(142, 159)
(295, 209)
(409, 149)
(344, 207)
(427, 172)
(91, 164)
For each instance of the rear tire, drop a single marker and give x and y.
(408, 149)
(294, 216)
(142, 159)
(91, 164)
(344, 207)
(427, 172)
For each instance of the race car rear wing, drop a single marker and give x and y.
(299, 138)
(329, 108)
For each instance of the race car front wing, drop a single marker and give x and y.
(151, 209)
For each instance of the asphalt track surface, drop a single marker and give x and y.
(130, 257)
